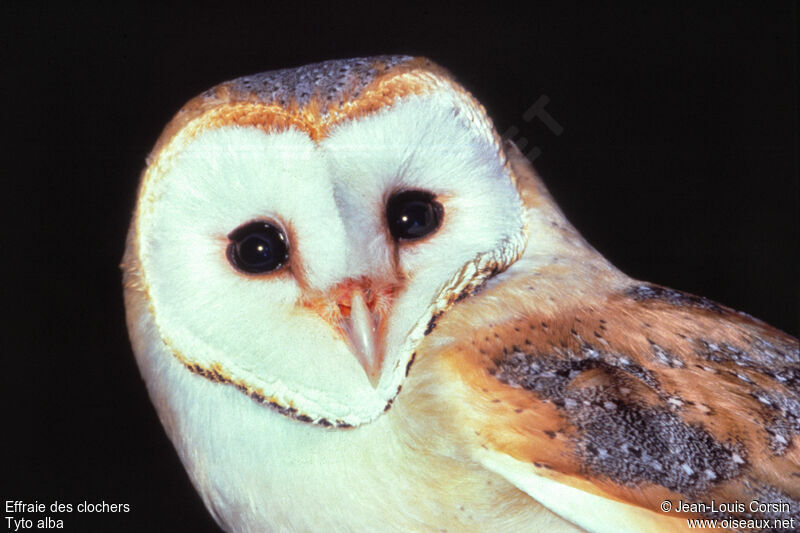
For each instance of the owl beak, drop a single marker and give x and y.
(362, 327)
(356, 309)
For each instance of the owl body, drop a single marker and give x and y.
(298, 477)
(356, 309)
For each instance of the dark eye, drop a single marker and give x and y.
(257, 247)
(413, 215)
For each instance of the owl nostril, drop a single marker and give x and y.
(376, 295)
(336, 303)
(344, 309)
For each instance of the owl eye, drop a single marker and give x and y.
(413, 214)
(257, 247)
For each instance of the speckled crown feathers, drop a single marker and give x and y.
(313, 98)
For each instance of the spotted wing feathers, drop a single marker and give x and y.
(625, 390)
(654, 395)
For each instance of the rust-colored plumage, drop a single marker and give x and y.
(628, 390)
(313, 101)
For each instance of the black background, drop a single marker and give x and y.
(677, 161)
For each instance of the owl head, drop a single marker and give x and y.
(298, 232)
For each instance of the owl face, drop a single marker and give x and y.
(302, 260)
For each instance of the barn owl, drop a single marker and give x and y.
(357, 309)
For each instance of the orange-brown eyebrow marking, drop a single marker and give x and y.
(234, 103)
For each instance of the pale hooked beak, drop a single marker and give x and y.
(357, 309)
(362, 330)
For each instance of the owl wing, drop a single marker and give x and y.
(603, 398)
(655, 395)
